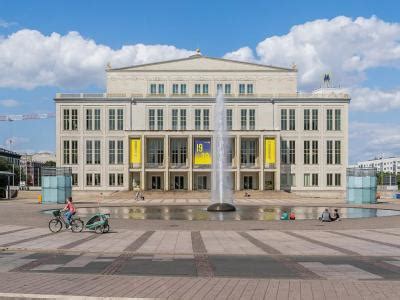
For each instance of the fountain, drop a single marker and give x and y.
(222, 181)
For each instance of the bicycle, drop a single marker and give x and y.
(56, 223)
(139, 196)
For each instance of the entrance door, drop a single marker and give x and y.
(179, 182)
(156, 182)
(202, 182)
(248, 182)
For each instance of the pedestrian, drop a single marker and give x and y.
(326, 216)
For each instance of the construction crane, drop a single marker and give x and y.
(23, 117)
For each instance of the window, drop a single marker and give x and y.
(227, 89)
(111, 179)
(157, 88)
(120, 179)
(97, 152)
(243, 119)
(183, 119)
(153, 88)
(97, 179)
(97, 119)
(174, 119)
(248, 152)
(74, 179)
(92, 122)
(183, 89)
(89, 179)
(306, 152)
(219, 87)
(120, 152)
(111, 119)
(66, 119)
(175, 88)
(74, 152)
(252, 119)
(160, 121)
(292, 152)
(314, 119)
(111, 152)
(161, 89)
(329, 119)
(284, 152)
(337, 152)
(89, 152)
(70, 118)
(250, 88)
(306, 119)
(283, 119)
(179, 151)
(120, 119)
(197, 119)
(242, 89)
(292, 119)
(329, 179)
(229, 119)
(197, 88)
(66, 153)
(205, 88)
(74, 119)
(314, 179)
(338, 179)
(329, 152)
(151, 119)
(338, 119)
(155, 153)
(314, 152)
(89, 119)
(206, 119)
(307, 179)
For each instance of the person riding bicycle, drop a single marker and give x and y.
(70, 211)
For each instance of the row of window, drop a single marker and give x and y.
(333, 119)
(200, 88)
(93, 119)
(332, 179)
(94, 179)
(310, 152)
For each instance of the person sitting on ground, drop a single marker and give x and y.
(292, 216)
(284, 216)
(70, 211)
(326, 216)
(336, 216)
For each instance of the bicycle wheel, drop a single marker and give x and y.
(106, 228)
(77, 225)
(55, 225)
(99, 229)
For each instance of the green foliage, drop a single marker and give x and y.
(50, 163)
(5, 165)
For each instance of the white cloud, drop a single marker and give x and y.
(9, 103)
(366, 99)
(15, 141)
(29, 59)
(242, 54)
(342, 46)
(367, 140)
(5, 24)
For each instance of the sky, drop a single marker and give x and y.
(58, 46)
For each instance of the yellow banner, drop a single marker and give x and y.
(270, 151)
(136, 152)
(202, 152)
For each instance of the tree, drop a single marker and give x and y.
(49, 163)
(5, 165)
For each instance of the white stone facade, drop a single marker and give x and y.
(183, 91)
(389, 164)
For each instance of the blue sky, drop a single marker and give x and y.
(361, 48)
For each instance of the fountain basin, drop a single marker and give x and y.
(221, 207)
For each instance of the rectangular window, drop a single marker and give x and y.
(338, 119)
(307, 179)
(219, 87)
(161, 89)
(74, 152)
(97, 179)
(329, 119)
(183, 119)
(252, 119)
(338, 179)
(66, 119)
(314, 179)
(152, 119)
(314, 152)
(329, 152)
(337, 152)
(66, 153)
(97, 119)
(248, 152)
(183, 89)
(206, 119)
(175, 88)
(153, 88)
(111, 119)
(314, 124)
(205, 89)
(120, 179)
(292, 119)
(97, 152)
(242, 89)
(284, 152)
(250, 88)
(229, 119)
(306, 152)
(292, 152)
(283, 119)
(178, 151)
(111, 152)
(160, 119)
(197, 119)
(89, 179)
(227, 89)
(89, 119)
(74, 119)
(120, 119)
(120, 152)
(155, 154)
(174, 119)
(243, 119)
(111, 179)
(89, 152)
(74, 179)
(329, 179)
(197, 88)
(306, 119)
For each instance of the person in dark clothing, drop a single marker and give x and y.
(336, 216)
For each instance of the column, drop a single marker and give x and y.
(142, 172)
(189, 162)
(261, 162)
(277, 173)
(237, 158)
(166, 163)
